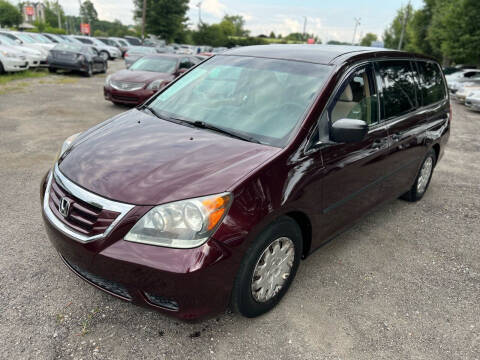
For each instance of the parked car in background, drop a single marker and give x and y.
(455, 79)
(136, 52)
(12, 60)
(107, 52)
(34, 57)
(465, 89)
(185, 49)
(133, 40)
(219, 50)
(76, 57)
(54, 38)
(211, 192)
(27, 41)
(145, 77)
(122, 44)
(473, 100)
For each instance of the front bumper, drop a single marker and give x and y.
(75, 66)
(136, 97)
(15, 64)
(185, 283)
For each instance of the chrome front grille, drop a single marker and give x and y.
(126, 85)
(87, 216)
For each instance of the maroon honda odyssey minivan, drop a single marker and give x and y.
(210, 193)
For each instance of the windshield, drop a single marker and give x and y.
(155, 64)
(25, 38)
(263, 99)
(41, 38)
(7, 40)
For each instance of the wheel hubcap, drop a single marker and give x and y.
(273, 269)
(425, 174)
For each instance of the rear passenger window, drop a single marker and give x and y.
(398, 88)
(431, 82)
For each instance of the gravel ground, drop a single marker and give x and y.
(402, 284)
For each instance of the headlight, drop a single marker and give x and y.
(67, 144)
(156, 85)
(181, 224)
(7, 54)
(107, 80)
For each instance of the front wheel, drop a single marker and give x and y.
(89, 72)
(268, 268)
(104, 55)
(419, 187)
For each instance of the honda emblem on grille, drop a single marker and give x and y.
(64, 206)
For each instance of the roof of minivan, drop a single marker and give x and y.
(321, 54)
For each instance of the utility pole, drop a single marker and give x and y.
(144, 14)
(199, 5)
(58, 14)
(304, 28)
(404, 25)
(81, 16)
(357, 24)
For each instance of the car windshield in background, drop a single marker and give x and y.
(68, 47)
(262, 99)
(7, 40)
(26, 38)
(155, 64)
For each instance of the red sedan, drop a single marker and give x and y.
(145, 77)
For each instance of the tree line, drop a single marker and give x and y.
(446, 29)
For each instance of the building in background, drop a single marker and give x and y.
(33, 11)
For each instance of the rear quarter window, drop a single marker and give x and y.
(398, 88)
(432, 86)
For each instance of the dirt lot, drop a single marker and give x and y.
(402, 284)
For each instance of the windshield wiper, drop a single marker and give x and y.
(236, 135)
(201, 124)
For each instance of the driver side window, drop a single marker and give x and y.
(357, 99)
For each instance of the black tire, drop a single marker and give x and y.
(52, 70)
(105, 68)
(2, 69)
(243, 300)
(89, 72)
(414, 194)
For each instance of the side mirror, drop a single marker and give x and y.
(348, 130)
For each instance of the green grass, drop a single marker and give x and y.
(21, 75)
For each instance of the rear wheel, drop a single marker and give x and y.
(104, 68)
(268, 268)
(2, 70)
(52, 70)
(420, 186)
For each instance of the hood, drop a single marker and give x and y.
(140, 76)
(37, 47)
(139, 159)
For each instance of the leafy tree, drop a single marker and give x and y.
(368, 39)
(336, 42)
(52, 8)
(392, 34)
(9, 14)
(455, 30)
(239, 24)
(88, 11)
(272, 35)
(210, 35)
(165, 18)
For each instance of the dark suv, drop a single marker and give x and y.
(211, 192)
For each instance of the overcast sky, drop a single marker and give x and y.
(329, 19)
